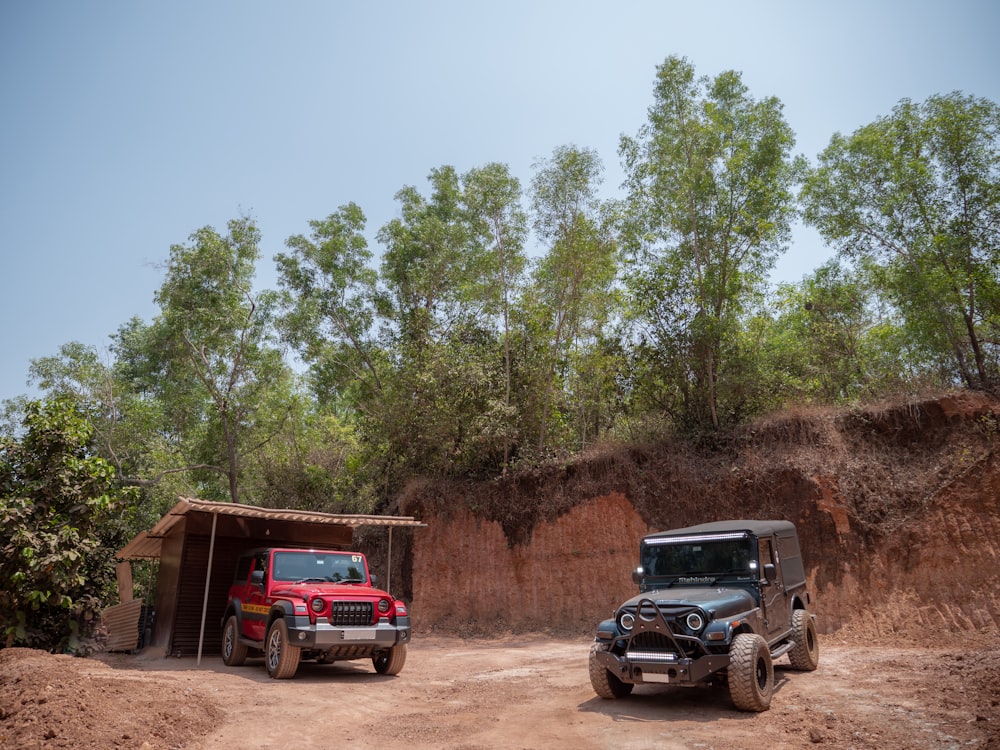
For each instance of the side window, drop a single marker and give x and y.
(243, 569)
(260, 563)
(766, 551)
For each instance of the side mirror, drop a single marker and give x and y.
(373, 579)
(770, 573)
(637, 575)
(257, 578)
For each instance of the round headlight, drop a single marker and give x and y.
(695, 622)
(383, 605)
(626, 620)
(318, 605)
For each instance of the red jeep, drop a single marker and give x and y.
(293, 604)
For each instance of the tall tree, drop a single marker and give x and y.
(571, 290)
(493, 198)
(435, 329)
(214, 340)
(429, 261)
(330, 296)
(710, 182)
(916, 197)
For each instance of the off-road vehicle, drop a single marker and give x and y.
(717, 602)
(292, 604)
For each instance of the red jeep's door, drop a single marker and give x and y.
(255, 606)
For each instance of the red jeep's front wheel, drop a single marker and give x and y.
(281, 657)
(234, 653)
(391, 660)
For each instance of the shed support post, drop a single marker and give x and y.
(208, 580)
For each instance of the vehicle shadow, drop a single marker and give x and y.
(355, 672)
(675, 702)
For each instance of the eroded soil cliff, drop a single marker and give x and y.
(897, 510)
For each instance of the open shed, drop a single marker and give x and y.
(197, 544)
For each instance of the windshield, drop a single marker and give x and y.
(700, 557)
(319, 566)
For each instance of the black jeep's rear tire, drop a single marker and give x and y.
(281, 658)
(390, 661)
(751, 673)
(805, 655)
(605, 684)
(234, 653)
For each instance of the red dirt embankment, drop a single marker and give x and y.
(898, 510)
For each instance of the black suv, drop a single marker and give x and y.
(718, 601)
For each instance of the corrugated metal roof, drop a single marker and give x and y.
(146, 544)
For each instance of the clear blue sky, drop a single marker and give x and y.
(127, 125)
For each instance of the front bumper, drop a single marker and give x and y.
(324, 636)
(653, 652)
(655, 666)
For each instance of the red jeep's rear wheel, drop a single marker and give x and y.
(234, 653)
(281, 657)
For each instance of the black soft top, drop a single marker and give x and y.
(758, 528)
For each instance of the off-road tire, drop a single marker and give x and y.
(234, 653)
(751, 673)
(605, 684)
(281, 658)
(805, 655)
(391, 660)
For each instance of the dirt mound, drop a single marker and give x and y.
(57, 701)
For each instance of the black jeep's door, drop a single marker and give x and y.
(773, 596)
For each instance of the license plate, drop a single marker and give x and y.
(655, 677)
(366, 634)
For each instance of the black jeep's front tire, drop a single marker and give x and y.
(805, 655)
(391, 660)
(751, 673)
(281, 658)
(234, 653)
(605, 684)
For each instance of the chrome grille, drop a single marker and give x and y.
(347, 614)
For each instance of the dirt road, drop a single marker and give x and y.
(498, 693)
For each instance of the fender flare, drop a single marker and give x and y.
(281, 608)
(235, 607)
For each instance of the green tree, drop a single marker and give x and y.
(710, 199)
(430, 262)
(446, 369)
(212, 349)
(570, 298)
(915, 196)
(834, 340)
(62, 515)
(329, 294)
(493, 198)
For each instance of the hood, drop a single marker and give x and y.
(336, 590)
(720, 602)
